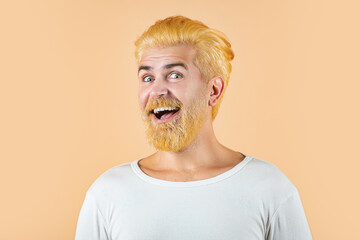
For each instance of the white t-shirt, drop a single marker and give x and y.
(252, 201)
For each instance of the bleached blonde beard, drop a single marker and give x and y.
(180, 131)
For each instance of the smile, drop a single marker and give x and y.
(164, 114)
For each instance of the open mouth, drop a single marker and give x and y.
(164, 113)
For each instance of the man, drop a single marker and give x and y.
(193, 187)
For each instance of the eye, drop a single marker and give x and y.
(175, 75)
(148, 78)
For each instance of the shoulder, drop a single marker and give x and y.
(269, 179)
(114, 178)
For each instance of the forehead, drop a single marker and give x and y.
(184, 53)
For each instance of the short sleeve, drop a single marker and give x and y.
(91, 224)
(289, 221)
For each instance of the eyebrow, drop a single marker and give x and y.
(167, 66)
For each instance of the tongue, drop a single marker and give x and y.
(167, 115)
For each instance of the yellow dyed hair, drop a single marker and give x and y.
(213, 50)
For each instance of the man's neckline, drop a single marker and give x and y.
(136, 168)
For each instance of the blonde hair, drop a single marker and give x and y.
(213, 50)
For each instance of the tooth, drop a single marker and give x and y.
(156, 110)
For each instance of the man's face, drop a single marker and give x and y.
(173, 98)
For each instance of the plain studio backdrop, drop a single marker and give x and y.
(69, 107)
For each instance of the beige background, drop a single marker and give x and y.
(69, 109)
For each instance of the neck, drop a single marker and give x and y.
(204, 151)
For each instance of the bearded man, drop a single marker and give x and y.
(192, 187)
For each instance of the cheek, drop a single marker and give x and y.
(143, 96)
(181, 90)
(194, 92)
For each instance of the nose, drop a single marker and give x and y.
(159, 89)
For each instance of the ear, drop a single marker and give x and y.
(216, 90)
